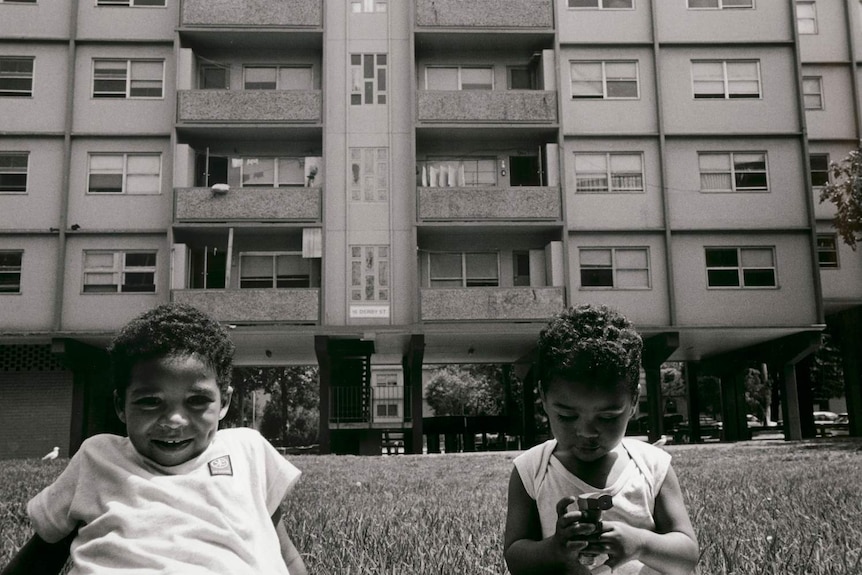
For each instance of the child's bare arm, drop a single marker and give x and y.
(38, 557)
(525, 550)
(289, 553)
(671, 549)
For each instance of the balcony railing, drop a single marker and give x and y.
(300, 305)
(247, 204)
(381, 406)
(491, 204)
(485, 13)
(281, 106)
(487, 106)
(491, 303)
(265, 13)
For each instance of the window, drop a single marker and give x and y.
(13, 172)
(806, 17)
(619, 268)
(17, 1)
(812, 92)
(10, 272)
(459, 78)
(367, 79)
(128, 78)
(609, 172)
(369, 174)
(121, 271)
(278, 78)
(369, 273)
(819, 164)
(274, 270)
(469, 269)
(458, 173)
(605, 79)
(732, 172)
(133, 3)
(740, 267)
(359, 6)
(272, 172)
(603, 4)
(16, 77)
(214, 78)
(720, 4)
(726, 78)
(827, 250)
(522, 78)
(134, 174)
(520, 268)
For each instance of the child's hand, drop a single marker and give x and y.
(620, 541)
(570, 532)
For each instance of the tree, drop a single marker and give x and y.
(292, 413)
(827, 372)
(845, 192)
(469, 390)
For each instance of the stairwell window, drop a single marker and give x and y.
(119, 271)
(725, 79)
(368, 81)
(603, 4)
(609, 172)
(131, 79)
(459, 78)
(133, 174)
(617, 268)
(14, 172)
(609, 80)
(10, 271)
(369, 274)
(740, 267)
(16, 77)
(733, 172)
(369, 174)
(463, 269)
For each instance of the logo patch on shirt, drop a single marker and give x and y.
(221, 466)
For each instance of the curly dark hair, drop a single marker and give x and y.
(594, 343)
(170, 330)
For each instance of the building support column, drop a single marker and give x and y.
(733, 406)
(321, 349)
(412, 366)
(657, 349)
(805, 396)
(692, 370)
(848, 329)
(528, 421)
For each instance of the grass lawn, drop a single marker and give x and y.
(758, 508)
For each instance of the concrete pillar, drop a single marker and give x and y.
(733, 406)
(412, 366)
(321, 348)
(528, 421)
(805, 396)
(848, 329)
(657, 349)
(692, 370)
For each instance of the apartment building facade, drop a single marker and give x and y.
(378, 186)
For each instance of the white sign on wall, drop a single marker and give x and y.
(369, 312)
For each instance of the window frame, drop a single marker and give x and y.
(726, 80)
(127, 94)
(276, 175)
(719, 6)
(734, 188)
(274, 277)
(609, 173)
(812, 18)
(818, 94)
(365, 4)
(11, 271)
(278, 68)
(464, 278)
(369, 186)
(380, 75)
(119, 271)
(812, 171)
(605, 95)
(614, 268)
(461, 171)
(740, 268)
(460, 69)
(600, 5)
(379, 272)
(11, 170)
(18, 1)
(13, 92)
(124, 188)
(128, 4)
(833, 263)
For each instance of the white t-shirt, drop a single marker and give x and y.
(547, 481)
(208, 515)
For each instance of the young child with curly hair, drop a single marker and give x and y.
(589, 364)
(177, 495)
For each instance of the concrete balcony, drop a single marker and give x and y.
(266, 106)
(487, 106)
(485, 14)
(247, 204)
(489, 204)
(491, 303)
(243, 13)
(255, 305)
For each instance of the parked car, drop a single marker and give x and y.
(710, 428)
(826, 423)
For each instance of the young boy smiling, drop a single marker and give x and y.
(177, 495)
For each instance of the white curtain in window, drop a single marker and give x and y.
(438, 78)
(143, 174)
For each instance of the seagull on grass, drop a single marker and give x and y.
(53, 454)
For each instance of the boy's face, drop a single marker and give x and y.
(172, 408)
(587, 419)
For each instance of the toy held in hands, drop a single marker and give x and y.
(591, 508)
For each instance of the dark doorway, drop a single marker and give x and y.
(525, 171)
